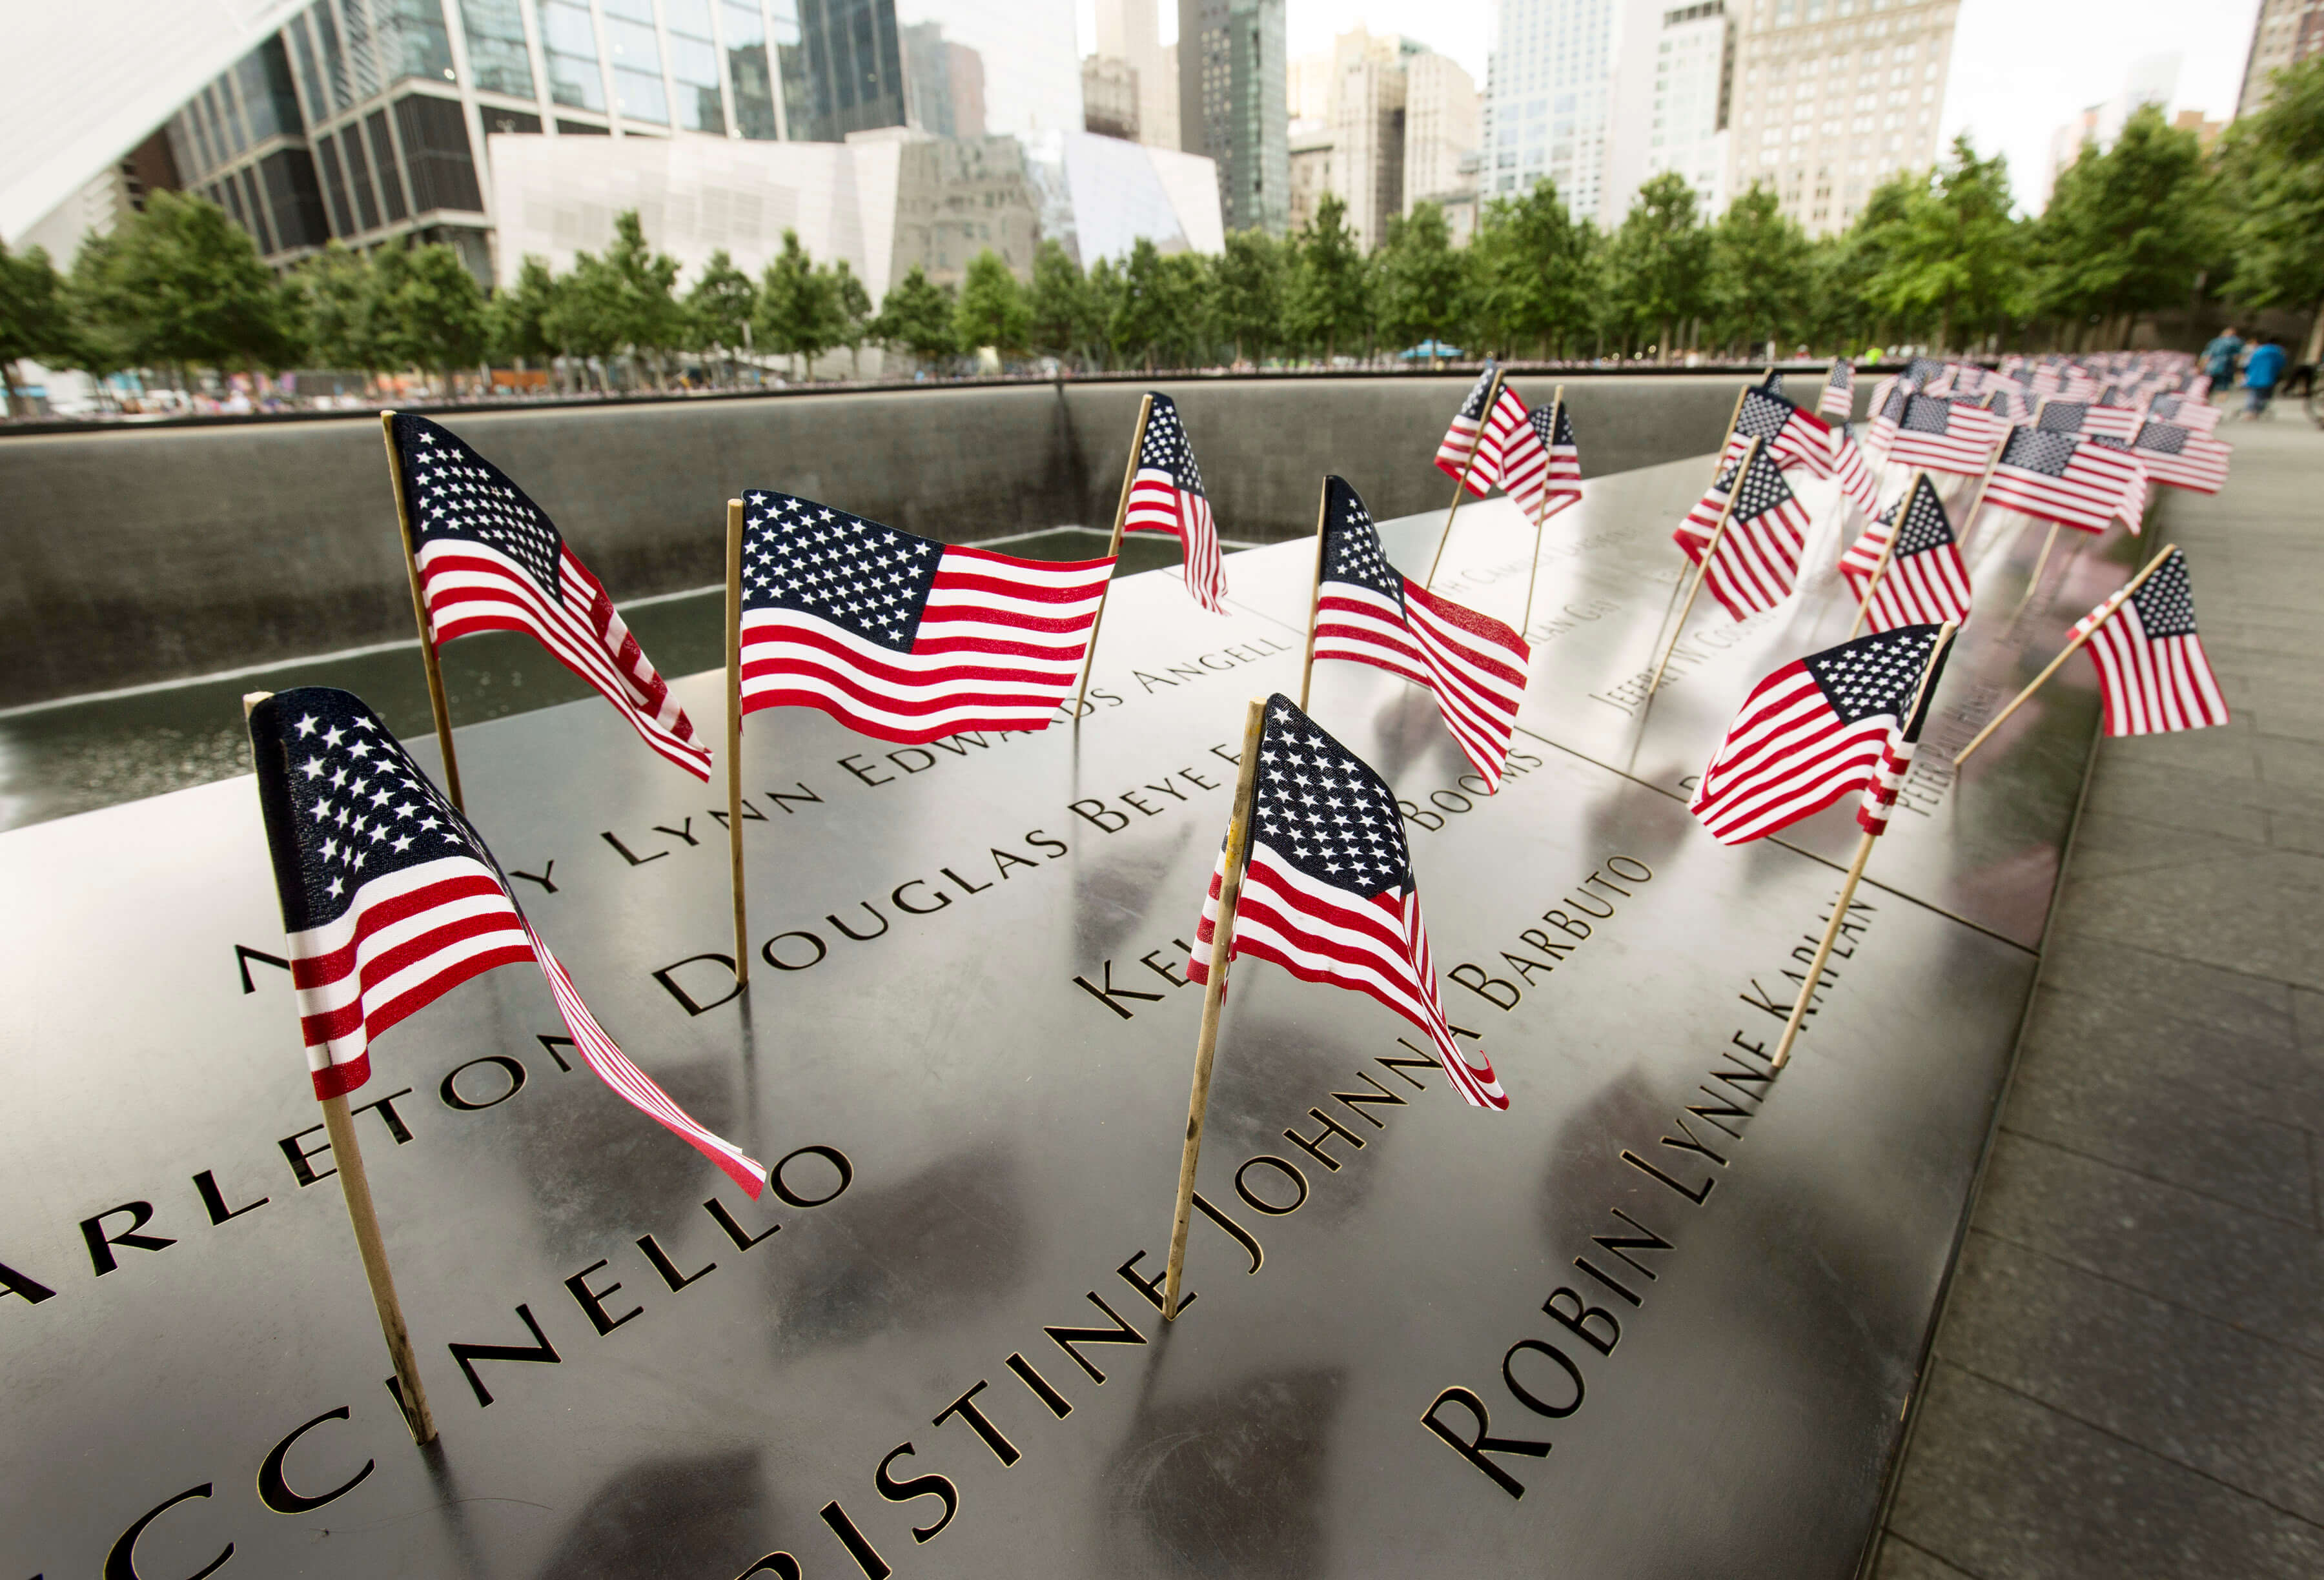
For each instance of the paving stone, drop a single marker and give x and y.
(2253, 1273)
(2227, 1403)
(2261, 914)
(1900, 1560)
(2099, 1081)
(2107, 843)
(2008, 1489)
(2292, 831)
(2285, 761)
(2158, 985)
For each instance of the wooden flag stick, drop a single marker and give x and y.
(1541, 516)
(1113, 546)
(2040, 563)
(436, 703)
(1702, 567)
(1315, 600)
(354, 1184)
(2112, 605)
(735, 740)
(1887, 552)
(1214, 991)
(1855, 873)
(1460, 485)
(1718, 459)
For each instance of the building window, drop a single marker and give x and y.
(351, 146)
(334, 60)
(694, 65)
(288, 175)
(414, 40)
(436, 154)
(383, 153)
(342, 219)
(269, 101)
(636, 54)
(748, 78)
(310, 79)
(257, 210)
(569, 41)
(497, 56)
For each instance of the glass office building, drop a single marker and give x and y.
(366, 121)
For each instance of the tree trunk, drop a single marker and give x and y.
(8, 371)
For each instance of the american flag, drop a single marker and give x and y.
(1856, 480)
(1817, 729)
(1925, 583)
(2184, 411)
(490, 560)
(2011, 405)
(1541, 469)
(2088, 416)
(1367, 613)
(2182, 457)
(1328, 893)
(2058, 477)
(1793, 436)
(1758, 557)
(2151, 665)
(391, 900)
(1839, 398)
(2134, 491)
(1922, 373)
(901, 637)
(1461, 439)
(1941, 435)
(1166, 495)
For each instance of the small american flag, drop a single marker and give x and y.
(1461, 439)
(1856, 480)
(1541, 467)
(1941, 435)
(1758, 557)
(1166, 495)
(1815, 730)
(1923, 374)
(1925, 583)
(1838, 401)
(901, 637)
(490, 560)
(2088, 416)
(1793, 436)
(2011, 405)
(2151, 665)
(2058, 477)
(2182, 457)
(2134, 491)
(1328, 894)
(1367, 613)
(2184, 411)
(391, 900)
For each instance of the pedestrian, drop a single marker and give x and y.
(2220, 357)
(2262, 370)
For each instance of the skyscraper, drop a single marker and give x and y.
(1130, 31)
(2286, 33)
(1674, 103)
(1550, 99)
(1833, 96)
(1231, 105)
(1440, 127)
(1384, 122)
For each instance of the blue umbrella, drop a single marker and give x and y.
(1432, 348)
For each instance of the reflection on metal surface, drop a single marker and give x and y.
(973, 994)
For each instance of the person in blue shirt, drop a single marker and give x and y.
(2262, 371)
(2220, 356)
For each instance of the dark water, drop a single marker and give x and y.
(80, 754)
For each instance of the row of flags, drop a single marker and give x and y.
(390, 897)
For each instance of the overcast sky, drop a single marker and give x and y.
(2021, 67)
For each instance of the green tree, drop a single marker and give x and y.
(1248, 288)
(1760, 272)
(182, 285)
(1660, 260)
(35, 320)
(850, 307)
(1842, 306)
(430, 310)
(340, 309)
(1423, 281)
(1533, 274)
(797, 316)
(1107, 290)
(1141, 326)
(2131, 230)
(719, 307)
(1953, 257)
(1330, 303)
(583, 320)
(992, 309)
(1057, 303)
(641, 286)
(2274, 170)
(916, 317)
